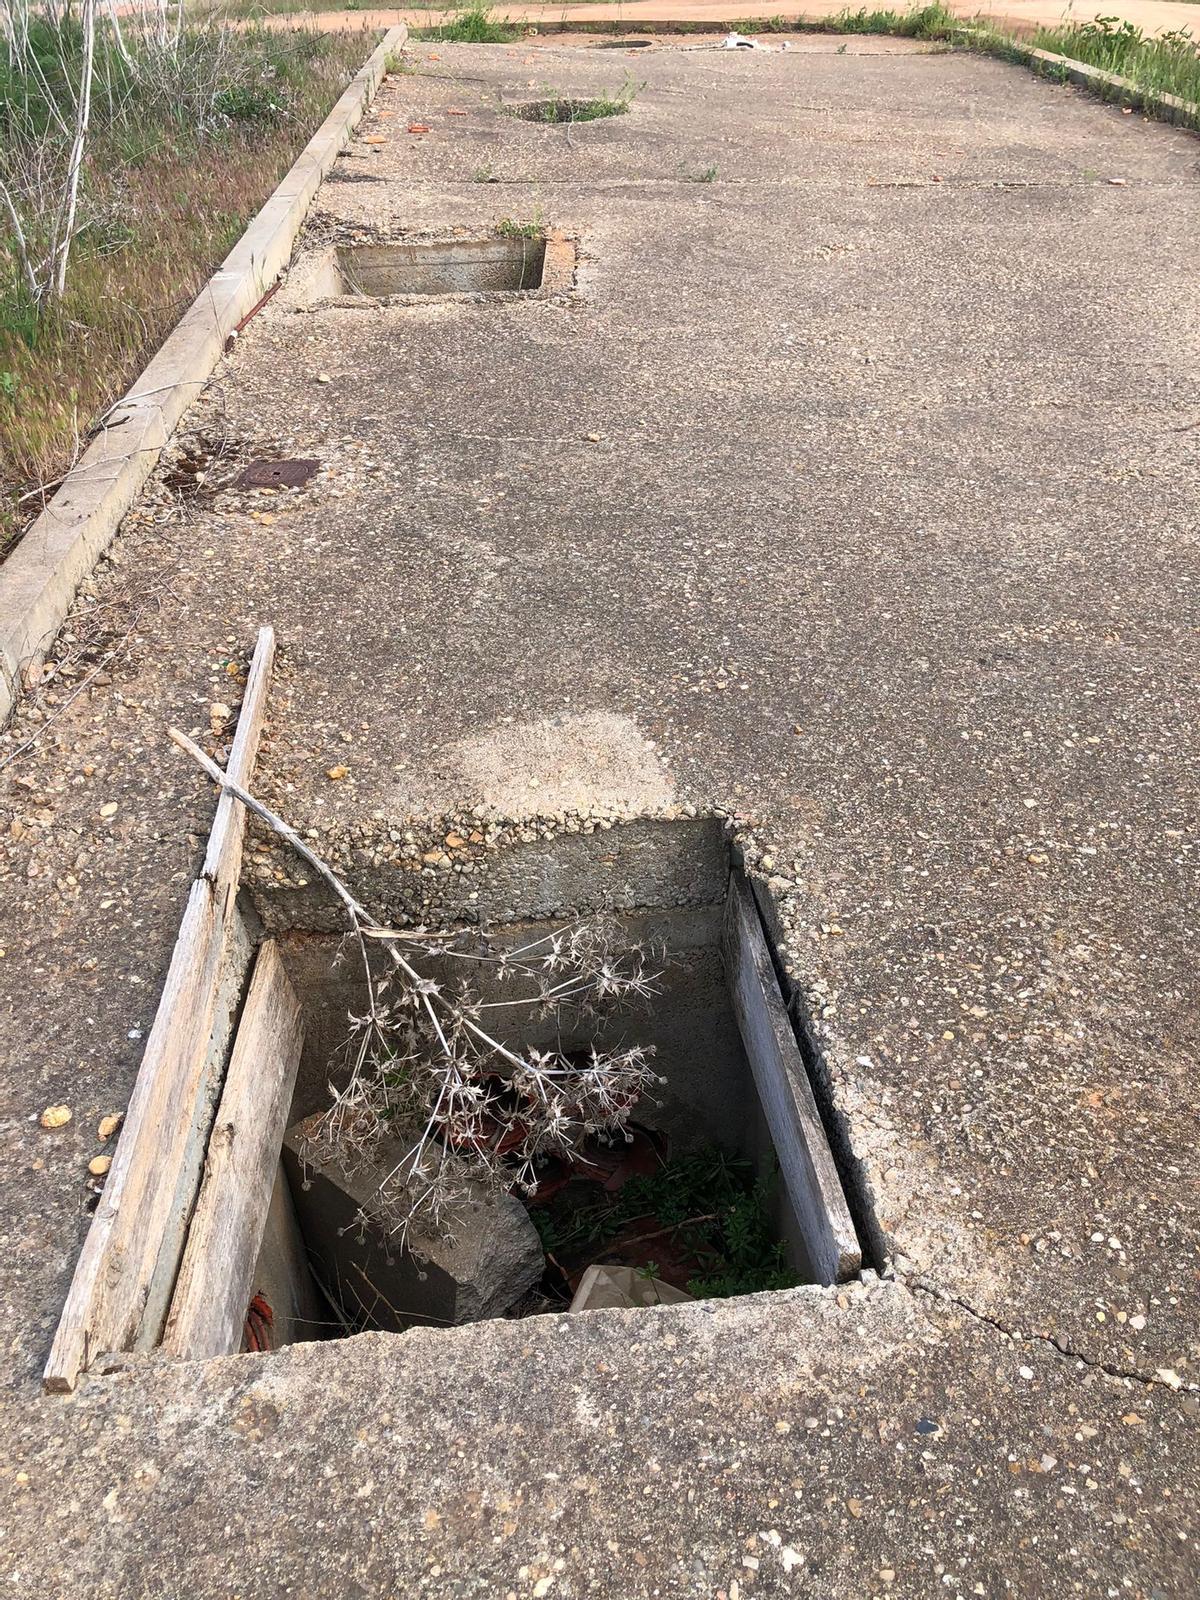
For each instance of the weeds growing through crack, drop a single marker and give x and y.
(507, 228)
(436, 1101)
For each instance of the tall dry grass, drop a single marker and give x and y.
(183, 146)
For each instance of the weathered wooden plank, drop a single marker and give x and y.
(209, 1306)
(223, 858)
(231, 986)
(122, 1251)
(805, 1159)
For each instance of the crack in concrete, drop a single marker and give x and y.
(922, 1285)
(726, 186)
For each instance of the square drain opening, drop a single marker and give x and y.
(459, 266)
(607, 1184)
(721, 1183)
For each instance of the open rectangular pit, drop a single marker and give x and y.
(517, 261)
(636, 1128)
(729, 1139)
(458, 266)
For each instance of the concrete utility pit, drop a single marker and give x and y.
(562, 109)
(459, 266)
(735, 1109)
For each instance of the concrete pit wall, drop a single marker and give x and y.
(709, 1096)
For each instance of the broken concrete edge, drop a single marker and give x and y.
(559, 263)
(806, 1161)
(537, 867)
(1108, 85)
(39, 580)
(877, 1251)
(318, 281)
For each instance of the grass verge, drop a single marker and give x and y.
(1166, 63)
(224, 10)
(472, 23)
(922, 22)
(166, 191)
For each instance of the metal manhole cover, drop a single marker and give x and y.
(277, 474)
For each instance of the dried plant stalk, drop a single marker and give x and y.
(432, 1097)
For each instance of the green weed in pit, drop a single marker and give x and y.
(715, 1208)
(558, 107)
(508, 229)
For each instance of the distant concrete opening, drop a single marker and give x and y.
(561, 109)
(519, 261)
(736, 1096)
(459, 266)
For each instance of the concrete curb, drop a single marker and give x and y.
(1168, 106)
(1109, 85)
(39, 580)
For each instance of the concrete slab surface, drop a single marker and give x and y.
(852, 491)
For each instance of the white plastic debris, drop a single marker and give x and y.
(739, 41)
(602, 1287)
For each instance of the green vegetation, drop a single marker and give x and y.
(1167, 63)
(508, 229)
(752, 25)
(558, 107)
(253, 9)
(922, 22)
(710, 1207)
(472, 23)
(185, 143)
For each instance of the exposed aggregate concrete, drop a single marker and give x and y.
(855, 490)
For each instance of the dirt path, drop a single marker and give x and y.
(1155, 16)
